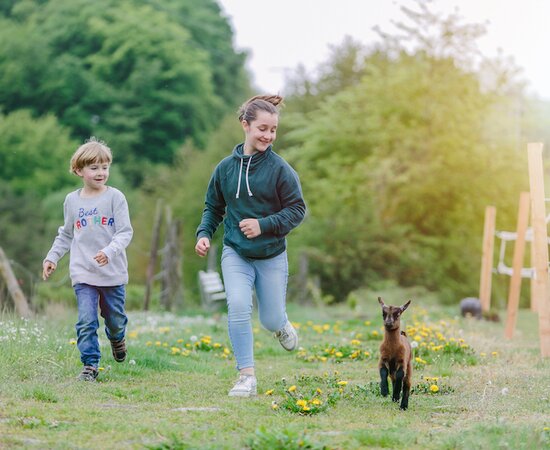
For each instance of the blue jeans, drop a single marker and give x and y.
(111, 302)
(241, 275)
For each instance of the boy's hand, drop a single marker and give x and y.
(101, 258)
(250, 228)
(202, 247)
(47, 269)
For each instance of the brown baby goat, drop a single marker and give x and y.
(395, 355)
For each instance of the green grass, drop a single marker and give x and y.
(171, 393)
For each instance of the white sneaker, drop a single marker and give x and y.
(287, 337)
(244, 387)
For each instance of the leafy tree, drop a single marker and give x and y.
(398, 167)
(35, 153)
(130, 72)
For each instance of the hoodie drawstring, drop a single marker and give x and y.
(247, 183)
(239, 182)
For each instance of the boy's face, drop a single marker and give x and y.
(94, 175)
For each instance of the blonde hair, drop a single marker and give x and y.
(249, 109)
(92, 151)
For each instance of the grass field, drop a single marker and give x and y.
(471, 387)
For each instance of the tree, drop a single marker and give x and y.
(130, 72)
(398, 167)
(35, 154)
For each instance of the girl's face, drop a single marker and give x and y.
(261, 132)
(94, 176)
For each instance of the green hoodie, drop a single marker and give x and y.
(261, 186)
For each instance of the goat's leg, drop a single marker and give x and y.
(398, 383)
(384, 381)
(406, 392)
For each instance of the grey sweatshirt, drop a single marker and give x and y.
(94, 224)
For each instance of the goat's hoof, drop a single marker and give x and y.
(403, 407)
(395, 399)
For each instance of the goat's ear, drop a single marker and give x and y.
(380, 301)
(405, 306)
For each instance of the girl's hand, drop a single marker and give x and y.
(202, 247)
(47, 269)
(250, 228)
(101, 258)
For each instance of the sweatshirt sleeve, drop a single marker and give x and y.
(123, 228)
(62, 243)
(293, 205)
(214, 209)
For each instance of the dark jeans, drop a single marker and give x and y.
(111, 303)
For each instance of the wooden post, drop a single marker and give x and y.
(19, 299)
(540, 237)
(165, 279)
(533, 279)
(517, 265)
(153, 256)
(487, 258)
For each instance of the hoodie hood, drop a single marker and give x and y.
(250, 162)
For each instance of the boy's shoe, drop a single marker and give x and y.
(244, 387)
(89, 373)
(287, 337)
(119, 350)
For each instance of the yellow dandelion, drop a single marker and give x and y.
(419, 360)
(494, 353)
(434, 388)
(165, 344)
(158, 343)
(179, 341)
(366, 353)
(175, 350)
(323, 358)
(342, 383)
(301, 403)
(133, 334)
(292, 388)
(101, 369)
(367, 323)
(316, 402)
(72, 342)
(338, 354)
(217, 345)
(355, 342)
(226, 351)
(306, 408)
(274, 405)
(148, 343)
(318, 391)
(483, 354)
(269, 392)
(375, 333)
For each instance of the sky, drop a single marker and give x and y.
(281, 34)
